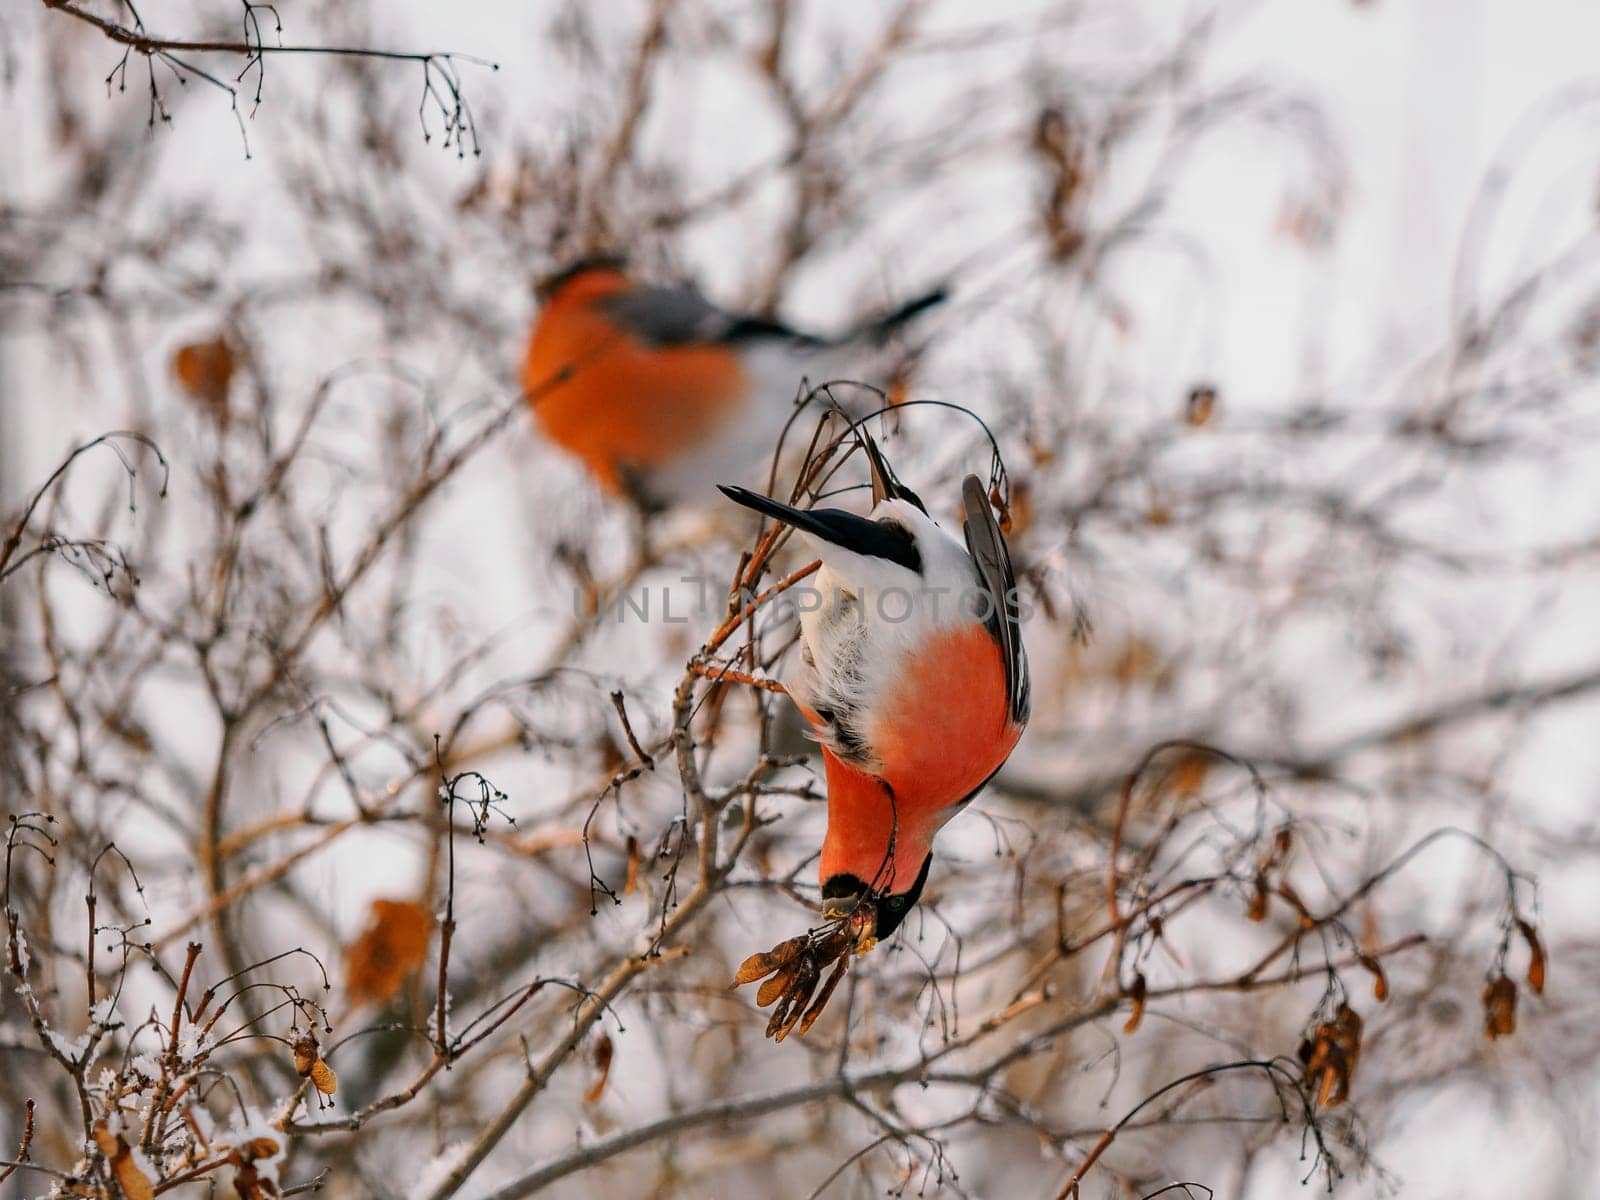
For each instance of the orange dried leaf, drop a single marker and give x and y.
(1257, 910)
(1202, 405)
(604, 1051)
(1136, 994)
(632, 883)
(204, 370)
(1536, 956)
(1281, 841)
(899, 390)
(135, 1184)
(323, 1078)
(1499, 1007)
(394, 943)
(1380, 982)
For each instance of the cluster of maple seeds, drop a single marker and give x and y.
(796, 967)
(1330, 1055)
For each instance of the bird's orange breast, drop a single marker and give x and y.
(939, 731)
(942, 727)
(615, 401)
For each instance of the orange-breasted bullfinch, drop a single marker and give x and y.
(912, 676)
(656, 390)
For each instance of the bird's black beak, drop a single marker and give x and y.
(842, 893)
(885, 484)
(859, 535)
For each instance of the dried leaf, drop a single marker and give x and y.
(1499, 1007)
(1536, 956)
(305, 1054)
(1202, 405)
(1257, 909)
(131, 1179)
(204, 370)
(632, 884)
(1281, 841)
(604, 1051)
(135, 1184)
(394, 943)
(1136, 993)
(323, 1078)
(899, 389)
(1380, 982)
(251, 1184)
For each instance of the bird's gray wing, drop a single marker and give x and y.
(679, 315)
(988, 549)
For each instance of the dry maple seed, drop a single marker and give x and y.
(795, 968)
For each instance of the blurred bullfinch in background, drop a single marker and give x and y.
(912, 676)
(657, 391)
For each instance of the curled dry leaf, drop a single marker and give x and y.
(1499, 1007)
(1536, 956)
(394, 944)
(795, 967)
(604, 1051)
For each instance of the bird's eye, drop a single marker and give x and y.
(897, 903)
